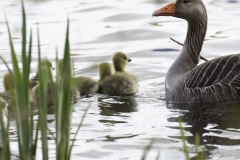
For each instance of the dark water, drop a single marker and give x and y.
(120, 127)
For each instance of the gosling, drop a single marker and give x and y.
(121, 82)
(46, 68)
(8, 85)
(84, 84)
(45, 62)
(75, 94)
(105, 70)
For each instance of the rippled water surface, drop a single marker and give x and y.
(120, 127)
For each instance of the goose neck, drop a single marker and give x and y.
(195, 37)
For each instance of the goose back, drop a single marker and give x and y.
(217, 80)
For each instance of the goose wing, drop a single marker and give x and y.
(222, 70)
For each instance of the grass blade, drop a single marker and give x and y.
(29, 57)
(17, 78)
(158, 155)
(183, 140)
(34, 145)
(200, 155)
(147, 149)
(13, 54)
(4, 131)
(24, 54)
(42, 100)
(79, 126)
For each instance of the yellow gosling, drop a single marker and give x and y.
(7, 82)
(75, 94)
(45, 62)
(85, 85)
(105, 69)
(8, 85)
(46, 68)
(121, 82)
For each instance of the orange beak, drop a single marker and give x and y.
(167, 10)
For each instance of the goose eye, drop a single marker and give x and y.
(125, 57)
(185, 1)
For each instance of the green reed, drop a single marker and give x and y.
(20, 95)
(27, 130)
(5, 134)
(199, 155)
(147, 149)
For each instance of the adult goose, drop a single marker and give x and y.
(217, 80)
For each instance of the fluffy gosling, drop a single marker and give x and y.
(85, 85)
(121, 82)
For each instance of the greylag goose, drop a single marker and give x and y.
(121, 82)
(85, 85)
(200, 57)
(217, 80)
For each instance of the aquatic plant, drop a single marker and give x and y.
(147, 149)
(27, 130)
(199, 155)
(20, 97)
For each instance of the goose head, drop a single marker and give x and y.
(120, 60)
(7, 82)
(194, 12)
(105, 69)
(189, 10)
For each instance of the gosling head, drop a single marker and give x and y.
(7, 82)
(46, 67)
(120, 60)
(60, 66)
(45, 63)
(105, 69)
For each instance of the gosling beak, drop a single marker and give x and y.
(129, 60)
(35, 78)
(167, 10)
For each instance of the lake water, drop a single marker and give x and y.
(120, 127)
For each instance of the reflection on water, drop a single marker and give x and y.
(219, 116)
(217, 124)
(116, 105)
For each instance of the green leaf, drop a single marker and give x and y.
(183, 139)
(42, 100)
(147, 149)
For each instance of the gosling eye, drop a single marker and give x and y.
(185, 1)
(125, 58)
